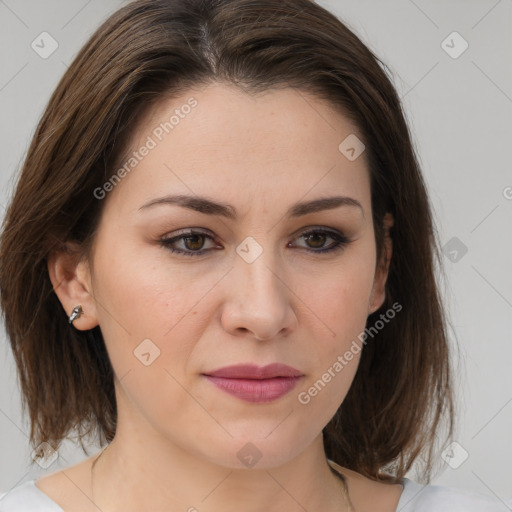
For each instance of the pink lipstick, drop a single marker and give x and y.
(254, 383)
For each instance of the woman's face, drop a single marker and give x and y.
(252, 287)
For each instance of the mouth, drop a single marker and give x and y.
(256, 384)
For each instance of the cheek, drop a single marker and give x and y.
(142, 294)
(140, 313)
(339, 309)
(160, 396)
(337, 297)
(323, 393)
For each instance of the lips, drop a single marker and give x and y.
(253, 383)
(251, 371)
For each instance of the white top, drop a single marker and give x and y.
(26, 497)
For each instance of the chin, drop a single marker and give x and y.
(253, 451)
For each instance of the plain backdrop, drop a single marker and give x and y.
(451, 65)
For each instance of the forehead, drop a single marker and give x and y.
(220, 141)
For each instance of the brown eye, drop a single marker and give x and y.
(315, 239)
(194, 242)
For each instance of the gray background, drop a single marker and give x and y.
(459, 110)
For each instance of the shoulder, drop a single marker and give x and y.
(436, 498)
(26, 497)
(65, 489)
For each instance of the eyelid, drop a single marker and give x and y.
(316, 227)
(188, 232)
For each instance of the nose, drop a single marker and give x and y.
(259, 300)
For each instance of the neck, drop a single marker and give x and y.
(148, 473)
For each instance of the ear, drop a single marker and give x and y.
(378, 295)
(71, 279)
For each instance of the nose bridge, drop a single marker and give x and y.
(258, 298)
(256, 266)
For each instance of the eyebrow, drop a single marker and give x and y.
(209, 207)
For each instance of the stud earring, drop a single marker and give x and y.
(77, 311)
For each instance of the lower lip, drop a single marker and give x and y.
(256, 390)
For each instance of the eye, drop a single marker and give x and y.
(193, 241)
(318, 236)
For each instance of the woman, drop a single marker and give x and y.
(219, 258)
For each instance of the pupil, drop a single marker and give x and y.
(320, 235)
(192, 238)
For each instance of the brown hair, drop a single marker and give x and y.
(149, 49)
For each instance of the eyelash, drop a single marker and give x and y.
(340, 242)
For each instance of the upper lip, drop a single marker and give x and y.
(252, 371)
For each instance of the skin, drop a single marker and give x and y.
(178, 435)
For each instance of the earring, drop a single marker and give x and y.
(77, 311)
